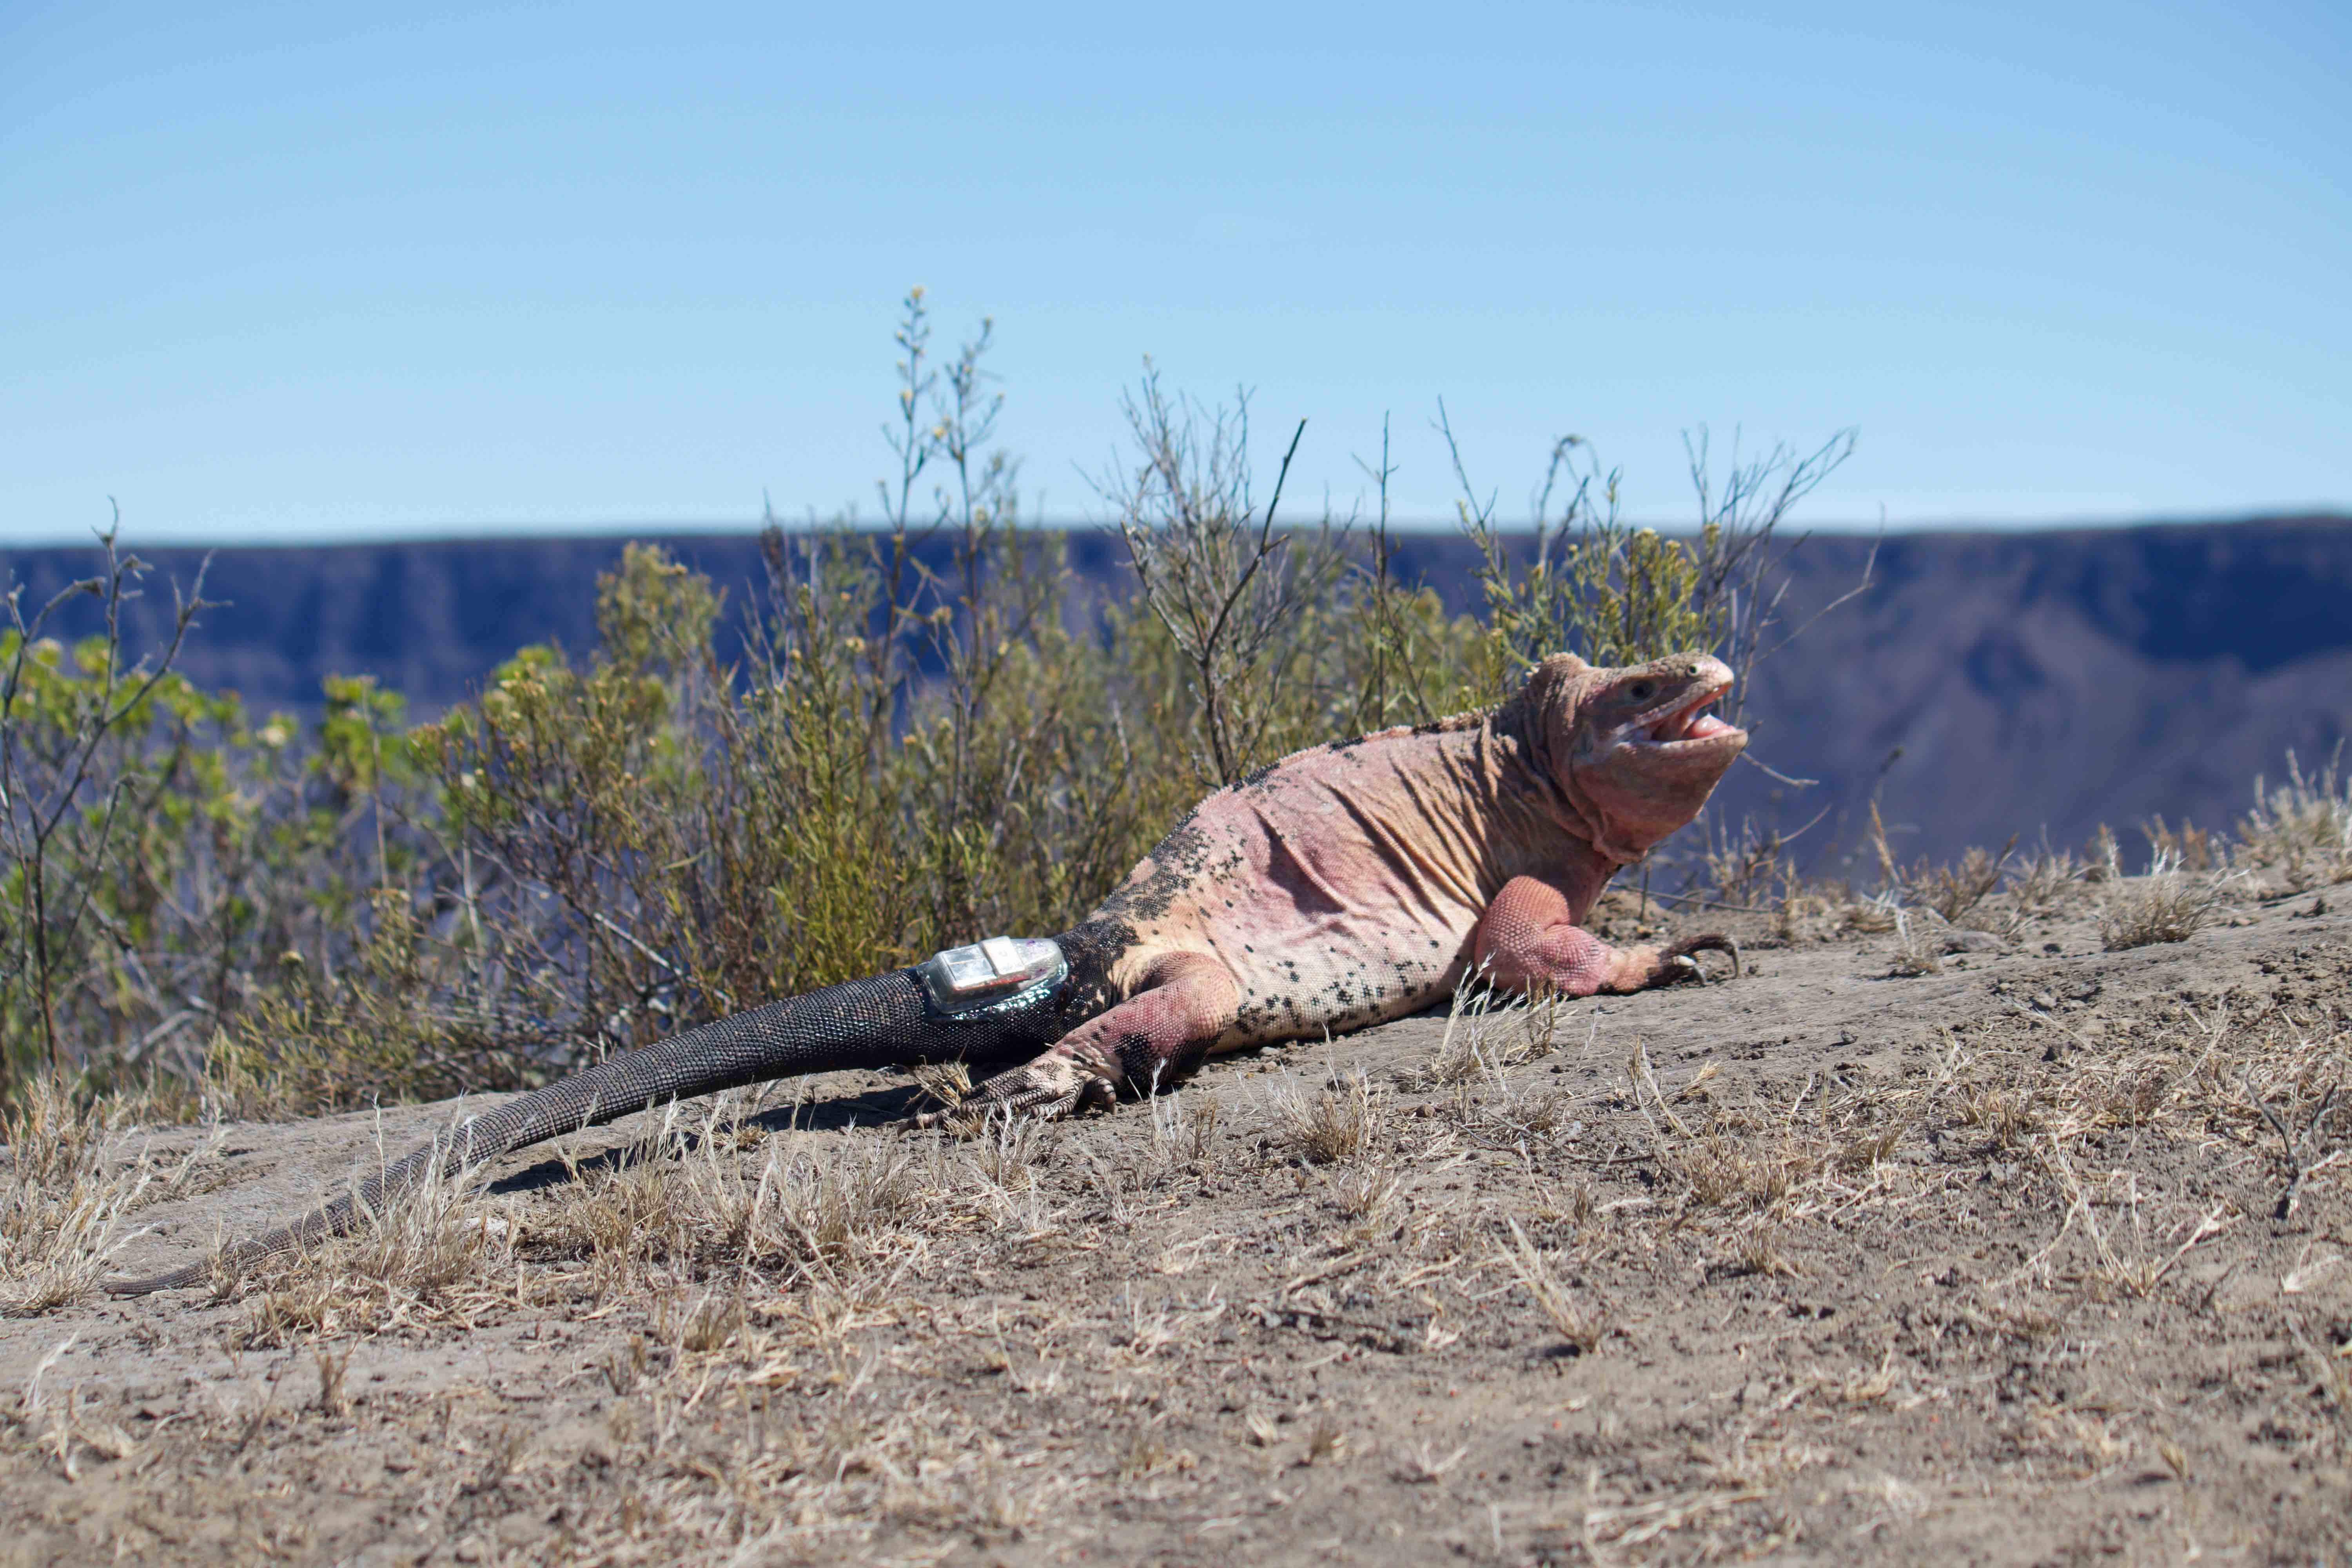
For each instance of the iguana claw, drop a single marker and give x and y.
(1052, 1087)
(1680, 965)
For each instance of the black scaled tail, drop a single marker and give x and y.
(883, 1022)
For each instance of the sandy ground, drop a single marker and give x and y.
(1985, 1264)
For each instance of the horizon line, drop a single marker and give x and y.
(487, 532)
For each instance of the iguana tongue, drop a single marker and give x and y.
(1689, 723)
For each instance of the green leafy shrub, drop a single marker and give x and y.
(1591, 583)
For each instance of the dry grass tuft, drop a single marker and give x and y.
(1365, 1196)
(1326, 1439)
(1740, 868)
(1918, 948)
(1951, 891)
(1735, 1171)
(62, 1202)
(678, 1207)
(425, 1260)
(843, 1206)
(1760, 1254)
(1582, 1330)
(2045, 880)
(2190, 845)
(1873, 916)
(944, 1084)
(1954, 890)
(2169, 904)
(2008, 1116)
(2304, 827)
(333, 1402)
(1183, 1131)
(1009, 1152)
(1337, 1124)
(1487, 1032)
(679, 1202)
(1521, 1107)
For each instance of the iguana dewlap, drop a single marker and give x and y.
(1344, 884)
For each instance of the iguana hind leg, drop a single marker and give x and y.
(1149, 1040)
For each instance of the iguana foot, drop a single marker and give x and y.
(1052, 1087)
(1677, 965)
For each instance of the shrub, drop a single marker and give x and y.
(1592, 584)
(164, 859)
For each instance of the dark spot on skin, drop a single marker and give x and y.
(1091, 948)
(1141, 1065)
(1178, 865)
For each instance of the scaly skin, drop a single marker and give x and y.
(1357, 882)
(1344, 884)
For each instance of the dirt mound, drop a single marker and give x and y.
(1916, 1246)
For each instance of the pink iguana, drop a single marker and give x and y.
(1344, 884)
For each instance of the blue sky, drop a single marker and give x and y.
(314, 272)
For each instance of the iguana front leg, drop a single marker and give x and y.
(1529, 937)
(1151, 1039)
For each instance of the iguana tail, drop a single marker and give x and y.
(887, 1021)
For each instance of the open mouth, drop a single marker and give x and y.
(1688, 722)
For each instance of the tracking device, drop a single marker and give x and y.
(991, 976)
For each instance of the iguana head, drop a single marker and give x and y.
(1633, 748)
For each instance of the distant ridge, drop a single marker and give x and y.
(2030, 681)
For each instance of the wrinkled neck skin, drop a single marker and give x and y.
(1631, 750)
